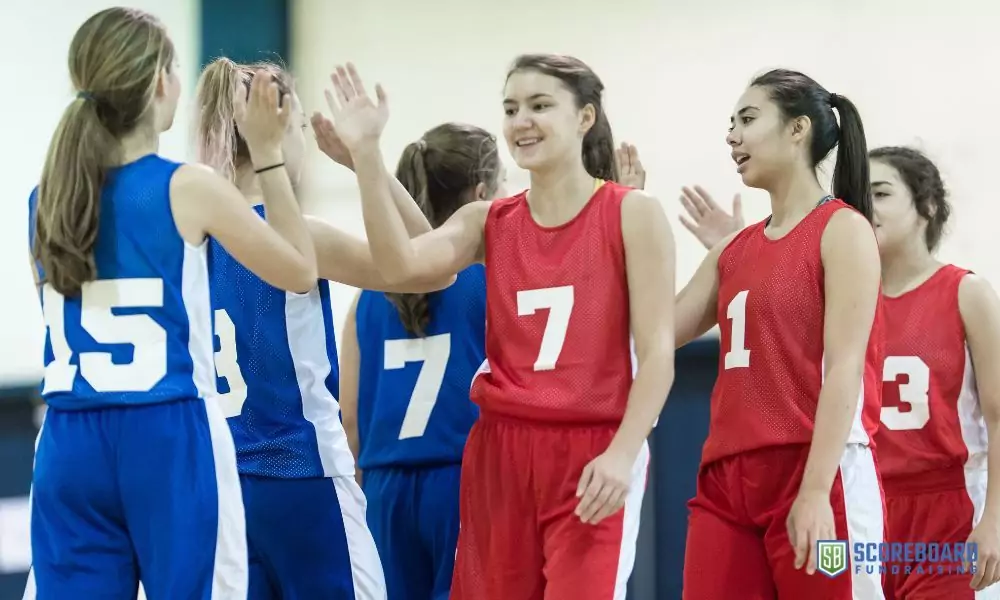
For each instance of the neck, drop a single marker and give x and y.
(906, 267)
(557, 194)
(794, 197)
(249, 185)
(138, 143)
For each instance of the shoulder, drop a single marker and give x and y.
(845, 229)
(190, 176)
(976, 297)
(642, 211)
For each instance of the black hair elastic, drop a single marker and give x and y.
(262, 170)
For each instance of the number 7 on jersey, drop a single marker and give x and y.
(559, 301)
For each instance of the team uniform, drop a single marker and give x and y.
(414, 415)
(771, 312)
(932, 442)
(276, 361)
(552, 395)
(135, 471)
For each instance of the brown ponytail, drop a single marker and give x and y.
(115, 59)
(441, 171)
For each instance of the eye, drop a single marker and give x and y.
(538, 106)
(746, 120)
(509, 111)
(880, 194)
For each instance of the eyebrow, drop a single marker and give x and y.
(530, 98)
(743, 111)
(874, 183)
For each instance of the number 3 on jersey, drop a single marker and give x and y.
(227, 367)
(559, 301)
(915, 392)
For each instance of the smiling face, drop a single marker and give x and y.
(543, 125)
(764, 143)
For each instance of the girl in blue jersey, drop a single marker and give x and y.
(407, 364)
(276, 361)
(135, 472)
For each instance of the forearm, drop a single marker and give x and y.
(281, 208)
(992, 508)
(653, 380)
(390, 245)
(414, 219)
(838, 404)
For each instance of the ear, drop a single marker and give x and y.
(588, 116)
(800, 127)
(480, 191)
(161, 82)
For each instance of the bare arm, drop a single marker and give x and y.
(442, 252)
(852, 276)
(329, 142)
(204, 203)
(650, 263)
(980, 308)
(346, 259)
(697, 304)
(350, 365)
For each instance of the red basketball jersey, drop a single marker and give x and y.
(557, 306)
(931, 420)
(771, 312)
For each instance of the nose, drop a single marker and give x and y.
(732, 139)
(522, 120)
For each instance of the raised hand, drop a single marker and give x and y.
(630, 170)
(329, 141)
(262, 115)
(708, 222)
(358, 119)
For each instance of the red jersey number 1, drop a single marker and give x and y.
(738, 355)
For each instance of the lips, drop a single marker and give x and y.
(526, 142)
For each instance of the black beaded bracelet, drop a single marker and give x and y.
(259, 171)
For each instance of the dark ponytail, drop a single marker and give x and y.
(851, 178)
(798, 95)
(599, 149)
(441, 171)
(587, 88)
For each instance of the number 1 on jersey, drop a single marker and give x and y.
(559, 301)
(738, 355)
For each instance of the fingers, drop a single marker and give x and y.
(811, 551)
(706, 198)
(340, 91)
(585, 477)
(355, 79)
(633, 158)
(738, 207)
(797, 540)
(380, 95)
(692, 205)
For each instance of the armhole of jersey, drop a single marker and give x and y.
(170, 208)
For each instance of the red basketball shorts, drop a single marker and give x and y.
(519, 536)
(737, 541)
(933, 508)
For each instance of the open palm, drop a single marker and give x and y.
(358, 119)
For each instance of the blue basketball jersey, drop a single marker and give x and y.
(142, 332)
(278, 378)
(413, 393)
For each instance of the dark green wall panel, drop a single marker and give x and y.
(245, 30)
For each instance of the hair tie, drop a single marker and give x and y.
(85, 96)
(421, 145)
(835, 100)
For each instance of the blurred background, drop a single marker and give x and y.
(922, 72)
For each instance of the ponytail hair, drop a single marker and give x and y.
(851, 175)
(798, 95)
(441, 171)
(219, 143)
(598, 143)
(115, 60)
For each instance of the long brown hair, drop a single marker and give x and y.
(441, 171)
(219, 143)
(115, 59)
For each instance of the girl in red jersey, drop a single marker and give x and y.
(938, 414)
(554, 470)
(788, 458)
